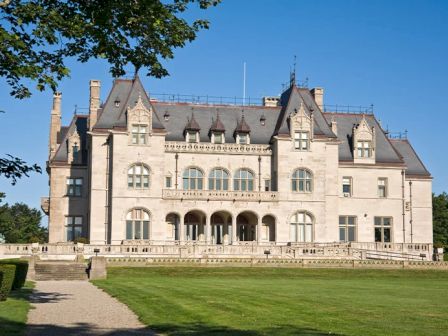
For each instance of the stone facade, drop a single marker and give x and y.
(137, 170)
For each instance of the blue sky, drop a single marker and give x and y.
(392, 54)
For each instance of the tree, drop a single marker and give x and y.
(14, 168)
(440, 219)
(36, 37)
(21, 224)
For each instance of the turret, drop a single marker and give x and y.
(55, 124)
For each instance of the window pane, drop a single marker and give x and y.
(293, 232)
(145, 230)
(386, 221)
(78, 220)
(351, 220)
(377, 235)
(137, 230)
(129, 230)
(342, 234)
(77, 232)
(301, 185)
(342, 220)
(294, 185)
(377, 221)
(351, 233)
(145, 181)
(79, 181)
(386, 235)
(225, 184)
(168, 182)
(69, 233)
(243, 185)
(200, 184)
(211, 184)
(308, 233)
(218, 184)
(251, 185)
(186, 186)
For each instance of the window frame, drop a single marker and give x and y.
(301, 226)
(189, 136)
(378, 224)
(212, 180)
(345, 226)
(241, 136)
(306, 180)
(249, 181)
(141, 138)
(141, 175)
(196, 181)
(345, 193)
(361, 149)
(73, 227)
(299, 140)
(384, 186)
(137, 224)
(76, 187)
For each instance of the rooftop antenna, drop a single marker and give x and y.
(244, 83)
(292, 79)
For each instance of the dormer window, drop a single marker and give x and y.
(301, 140)
(139, 134)
(364, 149)
(218, 137)
(117, 102)
(75, 152)
(192, 136)
(243, 138)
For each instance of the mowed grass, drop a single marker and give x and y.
(275, 301)
(14, 311)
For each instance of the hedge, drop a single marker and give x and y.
(21, 271)
(8, 272)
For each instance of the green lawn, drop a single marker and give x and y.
(268, 301)
(14, 310)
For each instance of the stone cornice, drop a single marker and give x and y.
(210, 148)
(216, 195)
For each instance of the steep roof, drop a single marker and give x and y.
(126, 92)
(414, 166)
(217, 125)
(192, 125)
(79, 124)
(384, 151)
(242, 126)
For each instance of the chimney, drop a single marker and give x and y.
(271, 101)
(94, 102)
(55, 123)
(318, 95)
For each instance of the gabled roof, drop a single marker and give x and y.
(126, 92)
(192, 125)
(384, 151)
(414, 166)
(291, 99)
(217, 125)
(242, 126)
(79, 124)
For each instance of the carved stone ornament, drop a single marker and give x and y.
(299, 120)
(73, 140)
(139, 114)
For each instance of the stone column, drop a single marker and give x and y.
(259, 230)
(208, 236)
(233, 233)
(181, 229)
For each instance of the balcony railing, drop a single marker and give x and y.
(211, 148)
(213, 195)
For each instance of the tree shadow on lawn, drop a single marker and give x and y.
(165, 329)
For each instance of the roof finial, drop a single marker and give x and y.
(292, 78)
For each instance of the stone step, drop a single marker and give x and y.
(60, 271)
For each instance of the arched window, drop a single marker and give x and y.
(243, 180)
(138, 176)
(301, 227)
(137, 224)
(192, 179)
(302, 180)
(218, 179)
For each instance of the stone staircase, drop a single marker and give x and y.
(60, 270)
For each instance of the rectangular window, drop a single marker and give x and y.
(242, 139)
(301, 140)
(73, 227)
(382, 187)
(168, 182)
(139, 134)
(267, 185)
(74, 186)
(347, 228)
(192, 137)
(218, 138)
(347, 186)
(383, 229)
(364, 149)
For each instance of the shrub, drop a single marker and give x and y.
(21, 271)
(8, 272)
(82, 240)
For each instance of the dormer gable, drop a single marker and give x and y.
(139, 122)
(217, 130)
(364, 142)
(242, 132)
(192, 129)
(301, 126)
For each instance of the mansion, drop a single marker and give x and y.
(137, 169)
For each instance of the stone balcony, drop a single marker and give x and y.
(211, 148)
(45, 204)
(213, 195)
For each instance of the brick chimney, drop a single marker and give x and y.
(318, 95)
(94, 102)
(55, 124)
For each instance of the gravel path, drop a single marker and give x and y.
(79, 308)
